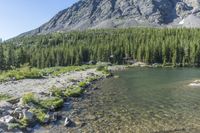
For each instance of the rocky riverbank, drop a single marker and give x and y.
(38, 101)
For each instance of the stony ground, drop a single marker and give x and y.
(17, 115)
(18, 88)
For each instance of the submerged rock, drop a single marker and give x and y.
(116, 76)
(195, 83)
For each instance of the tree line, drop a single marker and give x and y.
(150, 45)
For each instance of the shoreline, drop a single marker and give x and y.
(15, 109)
(83, 82)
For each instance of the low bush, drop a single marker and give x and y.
(73, 92)
(24, 122)
(82, 84)
(55, 102)
(57, 92)
(20, 73)
(29, 98)
(40, 114)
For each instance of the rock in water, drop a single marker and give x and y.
(67, 122)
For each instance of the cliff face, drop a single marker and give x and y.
(90, 14)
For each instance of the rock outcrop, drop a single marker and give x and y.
(91, 14)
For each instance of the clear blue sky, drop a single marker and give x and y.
(18, 16)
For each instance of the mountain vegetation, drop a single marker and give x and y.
(178, 47)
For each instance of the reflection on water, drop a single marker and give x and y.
(142, 100)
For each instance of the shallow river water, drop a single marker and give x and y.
(142, 100)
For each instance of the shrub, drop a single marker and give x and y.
(29, 98)
(93, 78)
(55, 102)
(82, 84)
(14, 126)
(40, 114)
(57, 92)
(24, 122)
(74, 92)
(21, 73)
(101, 68)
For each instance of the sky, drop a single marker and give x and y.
(18, 16)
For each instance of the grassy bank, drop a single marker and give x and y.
(27, 72)
(44, 106)
(55, 99)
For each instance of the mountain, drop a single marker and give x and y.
(92, 14)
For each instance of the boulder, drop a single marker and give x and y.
(28, 115)
(47, 118)
(20, 103)
(5, 105)
(68, 122)
(7, 119)
(1, 130)
(54, 116)
(18, 113)
(3, 127)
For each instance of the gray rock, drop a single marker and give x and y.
(27, 115)
(3, 127)
(29, 129)
(90, 14)
(5, 105)
(90, 117)
(1, 130)
(20, 103)
(18, 113)
(54, 117)
(47, 118)
(67, 122)
(7, 119)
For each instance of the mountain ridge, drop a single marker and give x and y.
(95, 14)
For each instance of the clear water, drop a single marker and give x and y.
(142, 100)
(148, 100)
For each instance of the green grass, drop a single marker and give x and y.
(104, 69)
(26, 72)
(57, 92)
(73, 92)
(55, 102)
(24, 122)
(4, 97)
(29, 98)
(14, 126)
(20, 73)
(82, 84)
(40, 114)
(91, 79)
(56, 71)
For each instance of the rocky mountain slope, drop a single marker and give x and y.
(91, 14)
